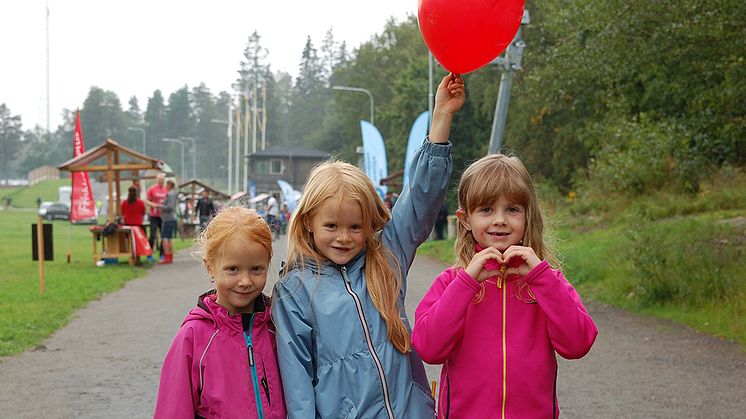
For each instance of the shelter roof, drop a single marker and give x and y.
(123, 159)
(195, 186)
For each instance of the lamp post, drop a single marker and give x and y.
(361, 90)
(230, 147)
(144, 141)
(174, 140)
(194, 155)
(509, 62)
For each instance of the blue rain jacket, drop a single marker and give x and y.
(335, 357)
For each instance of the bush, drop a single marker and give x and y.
(640, 156)
(689, 261)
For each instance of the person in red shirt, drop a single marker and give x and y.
(155, 197)
(133, 209)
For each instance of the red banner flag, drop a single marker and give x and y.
(83, 206)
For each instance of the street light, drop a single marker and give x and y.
(194, 155)
(144, 141)
(361, 90)
(174, 140)
(230, 147)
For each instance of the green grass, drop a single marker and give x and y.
(26, 317)
(26, 197)
(679, 257)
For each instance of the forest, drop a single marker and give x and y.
(622, 96)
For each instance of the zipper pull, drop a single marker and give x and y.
(251, 355)
(501, 278)
(344, 274)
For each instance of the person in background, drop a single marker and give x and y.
(168, 214)
(133, 210)
(205, 209)
(154, 197)
(273, 215)
(222, 362)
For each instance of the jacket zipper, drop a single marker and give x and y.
(252, 364)
(368, 339)
(505, 352)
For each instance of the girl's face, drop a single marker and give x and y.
(500, 224)
(337, 229)
(239, 275)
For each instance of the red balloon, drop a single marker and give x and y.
(464, 35)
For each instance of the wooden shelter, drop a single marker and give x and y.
(113, 160)
(190, 189)
(193, 186)
(116, 159)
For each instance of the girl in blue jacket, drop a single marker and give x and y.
(342, 333)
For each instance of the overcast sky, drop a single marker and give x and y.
(133, 47)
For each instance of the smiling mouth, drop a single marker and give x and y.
(499, 234)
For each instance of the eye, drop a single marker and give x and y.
(231, 269)
(514, 209)
(485, 210)
(330, 226)
(357, 227)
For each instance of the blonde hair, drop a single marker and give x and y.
(231, 223)
(337, 180)
(482, 183)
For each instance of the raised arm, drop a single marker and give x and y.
(416, 210)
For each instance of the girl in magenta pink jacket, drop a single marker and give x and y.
(222, 362)
(496, 319)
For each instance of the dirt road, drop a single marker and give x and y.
(106, 362)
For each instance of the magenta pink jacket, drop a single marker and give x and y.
(499, 354)
(211, 372)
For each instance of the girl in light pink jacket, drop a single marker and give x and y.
(496, 319)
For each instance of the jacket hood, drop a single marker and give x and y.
(209, 310)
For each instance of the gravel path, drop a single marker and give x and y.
(106, 362)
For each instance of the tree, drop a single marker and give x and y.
(102, 117)
(155, 120)
(10, 140)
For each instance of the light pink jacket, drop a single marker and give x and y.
(499, 353)
(209, 372)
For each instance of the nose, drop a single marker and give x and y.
(343, 236)
(499, 218)
(244, 280)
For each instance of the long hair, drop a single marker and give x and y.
(338, 180)
(482, 183)
(131, 194)
(233, 223)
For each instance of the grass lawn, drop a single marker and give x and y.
(25, 197)
(28, 317)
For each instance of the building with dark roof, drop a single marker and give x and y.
(292, 165)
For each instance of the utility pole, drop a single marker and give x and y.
(510, 62)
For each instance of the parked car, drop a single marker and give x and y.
(54, 210)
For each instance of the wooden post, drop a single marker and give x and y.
(40, 253)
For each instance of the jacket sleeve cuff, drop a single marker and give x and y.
(537, 271)
(436, 149)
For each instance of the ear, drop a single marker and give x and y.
(208, 267)
(463, 219)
